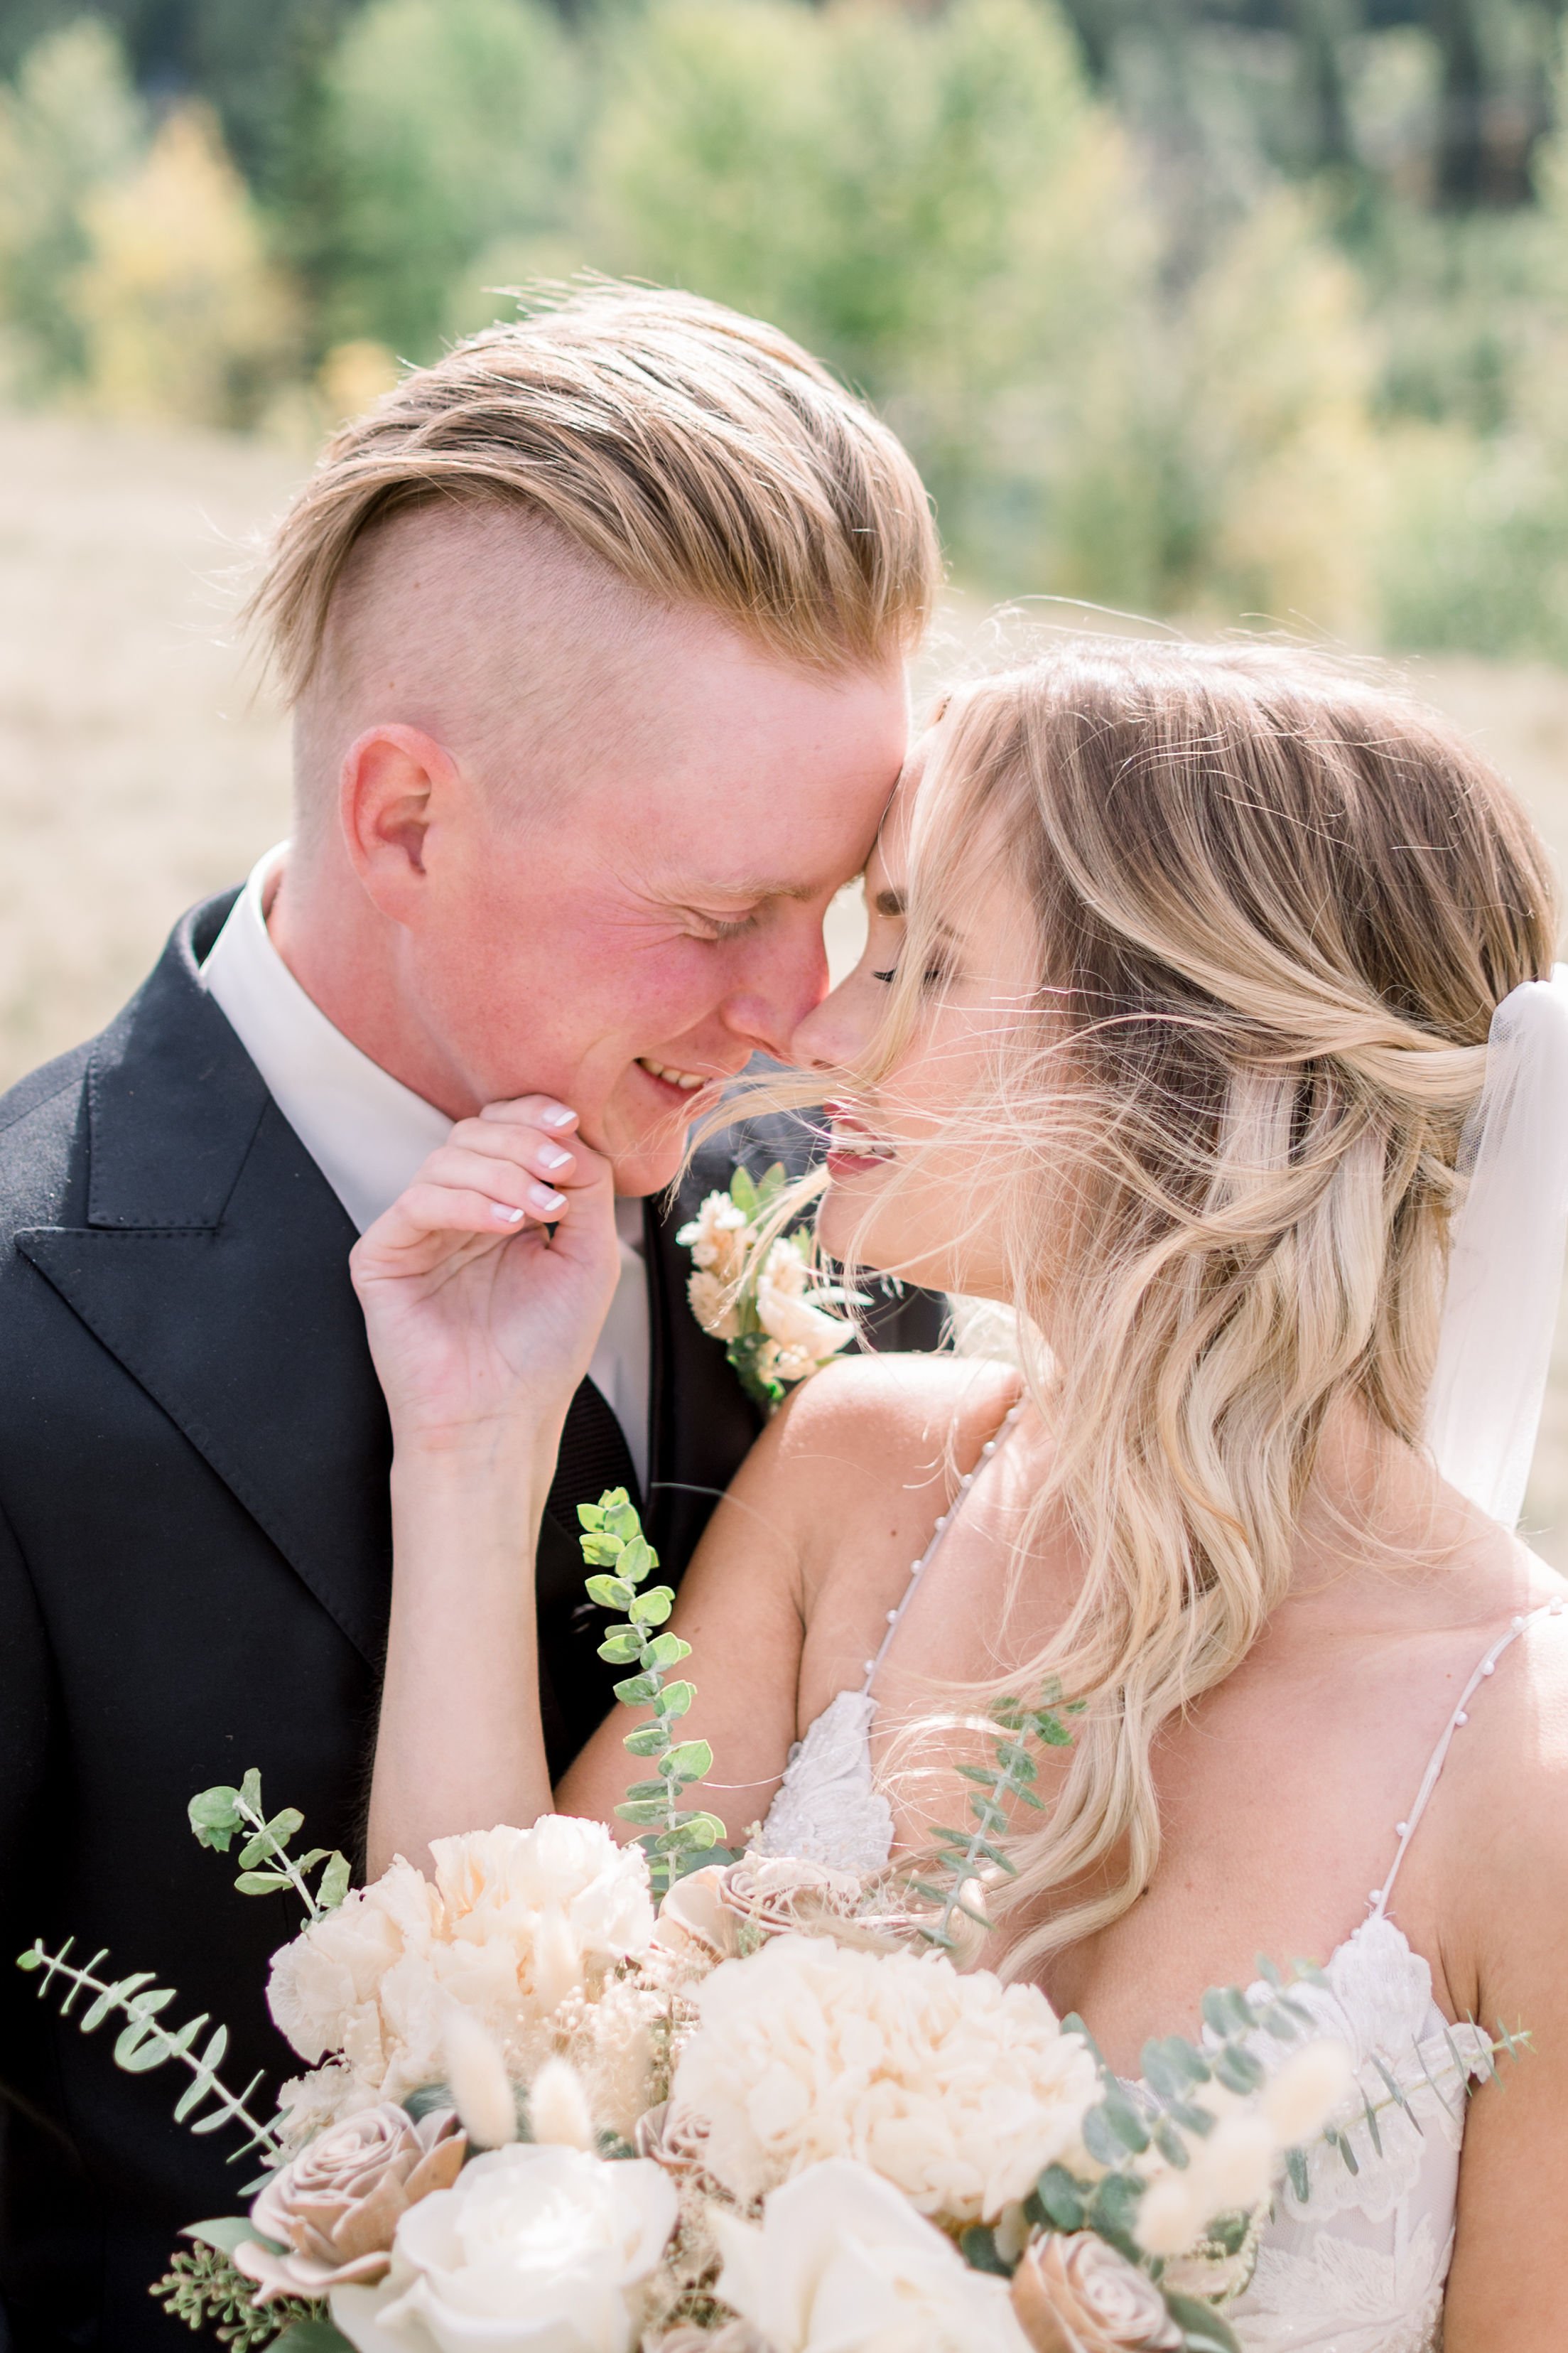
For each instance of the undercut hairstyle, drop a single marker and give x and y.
(702, 455)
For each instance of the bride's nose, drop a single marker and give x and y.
(833, 1032)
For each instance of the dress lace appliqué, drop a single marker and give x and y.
(827, 1810)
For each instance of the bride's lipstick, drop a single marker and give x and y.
(849, 1156)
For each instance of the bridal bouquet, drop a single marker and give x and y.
(571, 2096)
(755, 1288)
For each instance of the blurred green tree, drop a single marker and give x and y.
(69, 126)
(932, 203)
(446, 125)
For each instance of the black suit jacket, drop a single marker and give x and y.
(194, 1569)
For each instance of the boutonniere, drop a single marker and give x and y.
(760, 1292)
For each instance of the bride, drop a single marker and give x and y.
(1181, 970)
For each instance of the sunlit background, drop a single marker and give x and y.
(1239, 313)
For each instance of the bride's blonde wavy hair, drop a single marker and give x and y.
(1274, 904)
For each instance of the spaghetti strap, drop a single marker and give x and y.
(1406, 1830)
(918, 1568)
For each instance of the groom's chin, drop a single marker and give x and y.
(650, 1163)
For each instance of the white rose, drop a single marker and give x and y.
(323, 1990)
(841, 2264)
(533, 2251)
(955, 2088)
(786, 1313)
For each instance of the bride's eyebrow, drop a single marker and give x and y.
(889, 903)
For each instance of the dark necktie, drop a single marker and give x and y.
(594, 1455)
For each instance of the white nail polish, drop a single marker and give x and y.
(507, 1216)
(553, 1157)
(556, 1115)
(543, 1199)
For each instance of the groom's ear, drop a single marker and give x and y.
(396, 785)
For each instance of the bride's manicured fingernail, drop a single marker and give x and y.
(553, 1157)
(541, 1198)
(556, 1115)
(507, 1216)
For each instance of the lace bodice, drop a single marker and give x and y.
(1360, 2265)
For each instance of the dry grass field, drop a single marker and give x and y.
(138, 770)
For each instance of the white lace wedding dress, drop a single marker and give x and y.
(1358, 2265)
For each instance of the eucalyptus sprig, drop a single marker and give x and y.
(613, 1543)
(145, 2042)
(1009, 1780)
(220, 1814)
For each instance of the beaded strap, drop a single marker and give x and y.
(1404, 1831)
(918, 1568)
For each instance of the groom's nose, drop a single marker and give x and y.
(777, 984)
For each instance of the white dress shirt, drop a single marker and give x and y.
(368, 1133)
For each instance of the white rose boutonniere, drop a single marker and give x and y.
(758, 1290)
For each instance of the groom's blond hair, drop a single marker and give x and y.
(702, 456)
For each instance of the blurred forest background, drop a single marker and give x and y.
(1198, 306)
(1228, 310)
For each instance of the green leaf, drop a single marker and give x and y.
(700, 1830)
(261, 1882)
(744, 1192)
(214, 1816)
(228, 2232)
(610, 1592)
(1061, 2197)
(312, 2336)
(658, 1789)
(590, 1515)
(636, 1560)
(652, 1608)
(1203, 2330)
(691, 1761)
(1228, 2011)
(250, 1790)
(600, 1551)
(1114, 2211)
(636, 1691)
(1300, 2179)
(674, 1699)
(667, 1651)
(648, 1739)
(978, 2247)
(1237, 2069)
(620, 1650)
(333, 1884)
(645, 1810)
(620, 1520)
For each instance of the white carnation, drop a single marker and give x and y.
(323, 1990)
(515, 1921)
(502, 1883)
(957, 2089)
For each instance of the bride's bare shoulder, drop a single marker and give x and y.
(879, 1421)
(904, 1401)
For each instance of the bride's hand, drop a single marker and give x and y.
(485, 1285)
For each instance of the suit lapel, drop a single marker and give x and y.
(214, 1265)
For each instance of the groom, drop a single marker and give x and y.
(594, 633)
